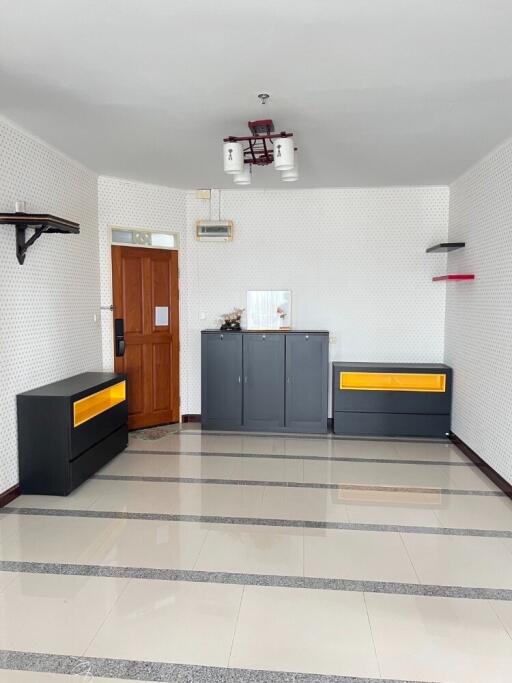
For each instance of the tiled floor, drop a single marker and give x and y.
(261, 559)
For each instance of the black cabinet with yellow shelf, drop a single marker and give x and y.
(392, 399)
(69, 429)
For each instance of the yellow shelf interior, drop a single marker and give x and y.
(393, 381)
(95, 404)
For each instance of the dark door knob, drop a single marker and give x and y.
(119, 335)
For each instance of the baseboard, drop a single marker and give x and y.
(489, 472)
(192, 417)
(9, 495)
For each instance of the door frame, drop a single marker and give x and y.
(174, 328)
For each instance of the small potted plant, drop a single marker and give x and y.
(231, 321)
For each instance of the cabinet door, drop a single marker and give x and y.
(221, 380)
(306, 382)
(264, 381)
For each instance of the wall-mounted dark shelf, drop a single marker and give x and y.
(456, 277)
(445, 246)
(41, 223)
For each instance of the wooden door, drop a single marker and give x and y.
(145, 297)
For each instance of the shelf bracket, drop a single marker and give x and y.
(22, 244)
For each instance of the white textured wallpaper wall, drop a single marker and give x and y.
(354, 259)
(479, 313)
(47, 331)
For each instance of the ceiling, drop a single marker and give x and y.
(377, 92)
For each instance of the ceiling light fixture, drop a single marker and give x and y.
(262, 148)
(292, 174)
(244, 177)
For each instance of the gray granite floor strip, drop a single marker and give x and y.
(270, 580)
(277, 456)
(298, 484)
(255, 521)
(90, 668)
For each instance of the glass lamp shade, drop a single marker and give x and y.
(283, 154)
(243, 178)
(233, 157)
(293, 174)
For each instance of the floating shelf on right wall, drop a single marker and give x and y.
(460, 277)
(445, 246)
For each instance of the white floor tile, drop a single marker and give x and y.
(363, 555)
(80, 499)
(57, 539)
(253, 550)
(55, 614)
(135, 496)
(391, 507)
(154, 544)
(312, 631)
(461, 560)
(6, 578)
(302, 503)
(475, 512)
(189, 623)
(503, 608)
(163, 465)
(408, 450)
(394, 474)
(269, 469)
(219, 499)
(439, 639)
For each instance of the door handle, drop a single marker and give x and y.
(120, 345)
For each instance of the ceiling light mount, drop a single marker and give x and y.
(264, 97)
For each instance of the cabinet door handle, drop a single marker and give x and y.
(245, 379)
(239, 380)
(307, 336)
(288, 380)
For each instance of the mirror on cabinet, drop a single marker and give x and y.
(269, 309)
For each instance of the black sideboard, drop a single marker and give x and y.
(69, 429)
(274, 381)
(391, 399)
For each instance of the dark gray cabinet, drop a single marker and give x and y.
(265, 381)
(307, 361)
(264, 357)
(221, 380)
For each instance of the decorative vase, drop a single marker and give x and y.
(231, 327)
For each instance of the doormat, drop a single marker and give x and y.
(154, 433)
